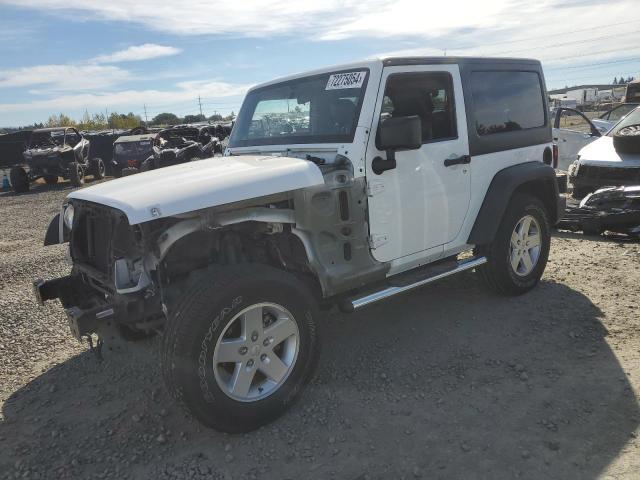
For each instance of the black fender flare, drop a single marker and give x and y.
(52, 237)
(535, 178)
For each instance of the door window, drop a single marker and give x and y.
(427, 95)
(617, 113)
(574, 121)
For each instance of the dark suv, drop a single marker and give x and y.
(56, 152)
(183, 143)
(130, 151)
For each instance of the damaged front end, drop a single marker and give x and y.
(111, 279)
(614, 209)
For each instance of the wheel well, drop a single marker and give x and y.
(243, 243)
(543, 190)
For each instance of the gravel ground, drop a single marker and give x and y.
(447, 382)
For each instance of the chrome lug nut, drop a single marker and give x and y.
(254, 336)
(266, 342)
(250, 363)
(263, 357)
(243, 350)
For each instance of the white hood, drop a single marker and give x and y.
(201, 184)
(601, 153)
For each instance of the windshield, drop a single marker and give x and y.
(632, 119)
(133, 148)
(319, 109)
(47, 139)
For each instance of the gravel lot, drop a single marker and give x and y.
(447, 382)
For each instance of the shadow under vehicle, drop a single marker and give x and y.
(129, 152)
(182, 143)
(56, 152)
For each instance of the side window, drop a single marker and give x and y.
(72, 138)
(572, 120)
(616, 114)
(506, 101)
(427, 95)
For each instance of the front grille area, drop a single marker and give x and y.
(91, 238)
(608, 175)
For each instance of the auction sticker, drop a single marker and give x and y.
(338, 81)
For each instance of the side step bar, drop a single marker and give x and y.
(358, 302)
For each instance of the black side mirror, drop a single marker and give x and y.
(400, 133)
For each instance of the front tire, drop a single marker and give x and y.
(19, 180)
(238, 349)
(76, 174)
(50, 179)
(518, 254)
(98, 169)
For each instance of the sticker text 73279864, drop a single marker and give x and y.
(346, 80)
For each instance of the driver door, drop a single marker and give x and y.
(418, 207)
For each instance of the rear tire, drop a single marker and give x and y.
(98, 169)
(266, 368)
(19, 180)
(125, 172)
(50, 179)
(147, 165)
(76, 174)
(518, 254)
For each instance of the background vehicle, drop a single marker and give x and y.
(608, 119)
(182, 143)
(394, 174)
(632, 94)
(611, 160)
(572, 130)
(56, 152)
(130, 151)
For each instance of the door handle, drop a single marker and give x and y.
(464, 159)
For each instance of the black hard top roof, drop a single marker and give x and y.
(391, 61)
(51, 129)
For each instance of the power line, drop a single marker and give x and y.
(574, 42)
(544, 36)
(591, 65)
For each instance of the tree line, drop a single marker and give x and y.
(121, 121)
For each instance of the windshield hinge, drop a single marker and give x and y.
(374, 188)
(377, 240)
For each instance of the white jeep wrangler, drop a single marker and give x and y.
(341, 186)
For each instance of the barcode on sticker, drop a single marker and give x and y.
(346, 80)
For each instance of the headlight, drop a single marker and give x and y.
(67, 217)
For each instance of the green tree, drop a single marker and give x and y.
(216, 117)
(165, 119)
(60, 120)
(194, 118)
(122, 121)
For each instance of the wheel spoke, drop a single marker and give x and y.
(527, 262)
(515, 261)
(514, 239)
(533, 241)
(228, 351)
(241, 380)
(526, 224)
(280, 331)
(252, 322)
(273, 367)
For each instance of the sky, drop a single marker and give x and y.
(72, 56)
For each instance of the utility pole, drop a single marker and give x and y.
(146, 120)
(200, 103)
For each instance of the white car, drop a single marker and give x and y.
(611, 160)
(396, 168)
(607, 120)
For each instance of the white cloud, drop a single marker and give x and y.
(137, 53)
(184, 92)
(64, 77)
(83, 76)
